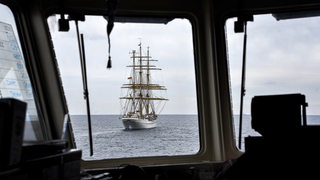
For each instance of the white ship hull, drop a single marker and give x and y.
(136, 123)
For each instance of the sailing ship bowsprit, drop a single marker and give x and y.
(141, 105)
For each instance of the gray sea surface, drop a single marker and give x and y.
(174, 135)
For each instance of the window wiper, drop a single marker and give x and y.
(84, 75)
(241, 26)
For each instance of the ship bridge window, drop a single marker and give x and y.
(145, 104)
(14, 78)
(282, 57)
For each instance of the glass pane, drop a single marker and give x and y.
(166, 73)
(282, 58)
(15, 82)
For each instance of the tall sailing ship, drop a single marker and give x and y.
(141, 104)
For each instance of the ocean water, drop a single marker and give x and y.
(174, 135)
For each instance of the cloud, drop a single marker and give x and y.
(282, 57)
(170, 44)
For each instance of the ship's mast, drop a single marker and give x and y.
(148, 82)
(141, 86)
(133, 81)
(140, 81)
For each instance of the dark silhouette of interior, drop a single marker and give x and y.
(287, 146)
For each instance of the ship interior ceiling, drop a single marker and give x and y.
(224, 84)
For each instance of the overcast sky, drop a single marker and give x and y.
(277, 53)
(170, 44)
(282, 57)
